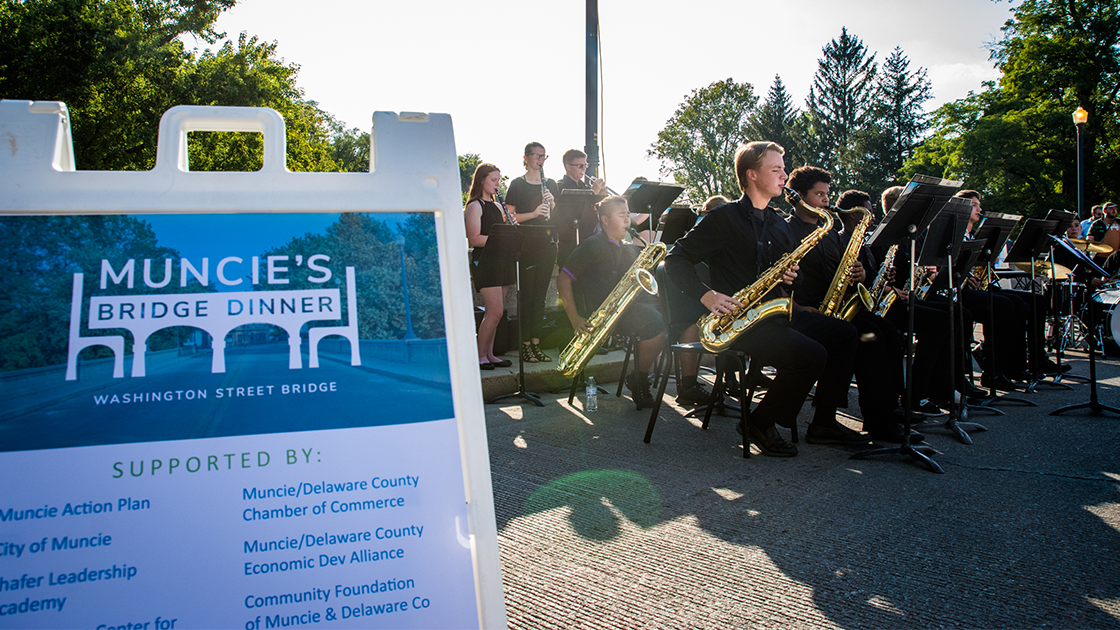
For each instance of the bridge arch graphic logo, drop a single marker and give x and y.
(216, 314)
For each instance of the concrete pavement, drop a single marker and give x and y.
(599, 530)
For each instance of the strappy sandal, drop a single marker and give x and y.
(527, 354)
(541, 355)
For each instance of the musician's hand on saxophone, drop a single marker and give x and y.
(903, 294)
(790, 275)
(720, 304)
(859, 274)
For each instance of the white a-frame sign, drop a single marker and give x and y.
(239, 400)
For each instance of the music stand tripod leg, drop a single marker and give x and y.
(920, 453)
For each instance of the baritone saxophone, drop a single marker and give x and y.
(718, 332)
(637, 278)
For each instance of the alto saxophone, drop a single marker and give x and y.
(881, 295)
(584, 345)
(831, 304)
(718, 332)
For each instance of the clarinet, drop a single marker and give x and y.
(544, 188)
(505, 211)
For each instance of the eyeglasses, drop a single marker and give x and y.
(582, 167)
(539, 156)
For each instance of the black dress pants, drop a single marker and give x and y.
(798, 361)
(878, 369)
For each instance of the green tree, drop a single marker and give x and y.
(777, 120)
(840, 107)
(899, 110)
(119, 64)
(697, 146)
(1015, 141)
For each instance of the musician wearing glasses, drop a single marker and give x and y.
(531, 198)
(740, 242)
(593, 270)
(576, 178)
(491, 276)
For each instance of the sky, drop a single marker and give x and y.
(511, 71)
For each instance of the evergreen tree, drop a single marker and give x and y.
(839, 106)
(776, 120)
(902, 94)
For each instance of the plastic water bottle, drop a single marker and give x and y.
(592, 401)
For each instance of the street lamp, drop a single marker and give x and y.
(1080, 117)
(408, 334)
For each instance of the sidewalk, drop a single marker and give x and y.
(599, 530)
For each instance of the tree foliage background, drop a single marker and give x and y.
(119, 64)
(1015, 141)
(859, 121)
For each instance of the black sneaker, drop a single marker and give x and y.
(835, 434)
(693, 395)
(927, 409)
(639, 390)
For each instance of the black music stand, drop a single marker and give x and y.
(675, 223)
(653, 198)
(576, 207)
(513, 242)
(946, 248)
(915, 209)
(993, 233)
(1094, 406)
(1034, 239)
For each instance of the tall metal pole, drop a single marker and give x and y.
(1080, 178)
(591, 125)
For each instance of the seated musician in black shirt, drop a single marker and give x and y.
(593, 269)
(878, 360)
(740, 241)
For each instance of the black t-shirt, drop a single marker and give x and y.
(526, 197)
(737, 241)
(595, 267)
(819, 265)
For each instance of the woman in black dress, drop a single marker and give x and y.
(492, 277)
(531, 198)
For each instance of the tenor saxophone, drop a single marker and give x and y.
(638, 277)
(833, 303)
(718, 332)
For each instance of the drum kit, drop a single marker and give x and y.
(1076, 298)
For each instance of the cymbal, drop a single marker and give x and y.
(1091, 246)
(1042, 269)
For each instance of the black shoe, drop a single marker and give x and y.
(486, 366)
(639, 390)
(927, 409)
(501, 363)
(769, 441)
(895, 434)
(693, 395)
(974, 393)
(761, 381)
(836, 433)
(1001, 382)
